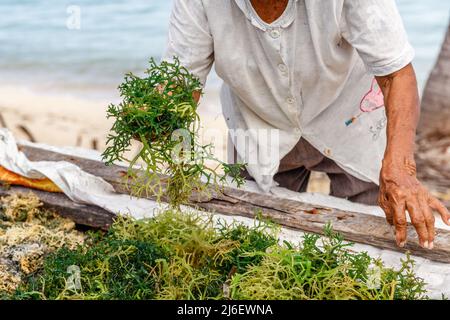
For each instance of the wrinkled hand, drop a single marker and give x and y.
(400, 191)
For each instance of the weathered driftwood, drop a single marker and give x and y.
(357, 227)
(433, 145)
(81, 214)
(433, 161)
(436, 99)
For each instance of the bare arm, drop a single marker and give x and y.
(400, 190)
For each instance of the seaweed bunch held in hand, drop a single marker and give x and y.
(160, 110)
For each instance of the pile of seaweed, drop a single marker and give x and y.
(28, 233)
(187, 255)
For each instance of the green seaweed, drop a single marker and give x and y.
(252, 240)
(187, 255)
(110, 269)
(160, 110)
(324, 269)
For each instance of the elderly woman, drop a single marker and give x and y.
(332, 79)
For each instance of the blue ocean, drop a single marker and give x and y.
(42, 47)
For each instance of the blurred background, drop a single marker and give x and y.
(61, 62)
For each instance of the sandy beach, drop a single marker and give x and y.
(63, 120)
(52, 119)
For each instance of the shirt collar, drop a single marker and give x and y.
(284, 21)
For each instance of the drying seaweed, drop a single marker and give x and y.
(160, 110)
(27, 234)
(188, 256)
(110, 269)
(323, 270)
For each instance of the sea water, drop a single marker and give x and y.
(84, 47)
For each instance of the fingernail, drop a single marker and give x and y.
(425, 244)
(431, 246)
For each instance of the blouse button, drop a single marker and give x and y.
(275, 33)
(283, 68)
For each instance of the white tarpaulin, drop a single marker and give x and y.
(78, 185)
(85, 188)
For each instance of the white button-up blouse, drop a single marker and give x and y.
(309, 74)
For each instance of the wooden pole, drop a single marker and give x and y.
(81, 214)
(356, 227)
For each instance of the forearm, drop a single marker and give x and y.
(403, 112)
(400, 191)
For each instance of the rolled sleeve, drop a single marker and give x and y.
(189, 38)
(375, 29)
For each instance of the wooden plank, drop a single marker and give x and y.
(357, 227)
(81, 214)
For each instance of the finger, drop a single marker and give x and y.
(400, 223)
(418, 221)
(388, 211)
(429, 221)
(439, 207)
